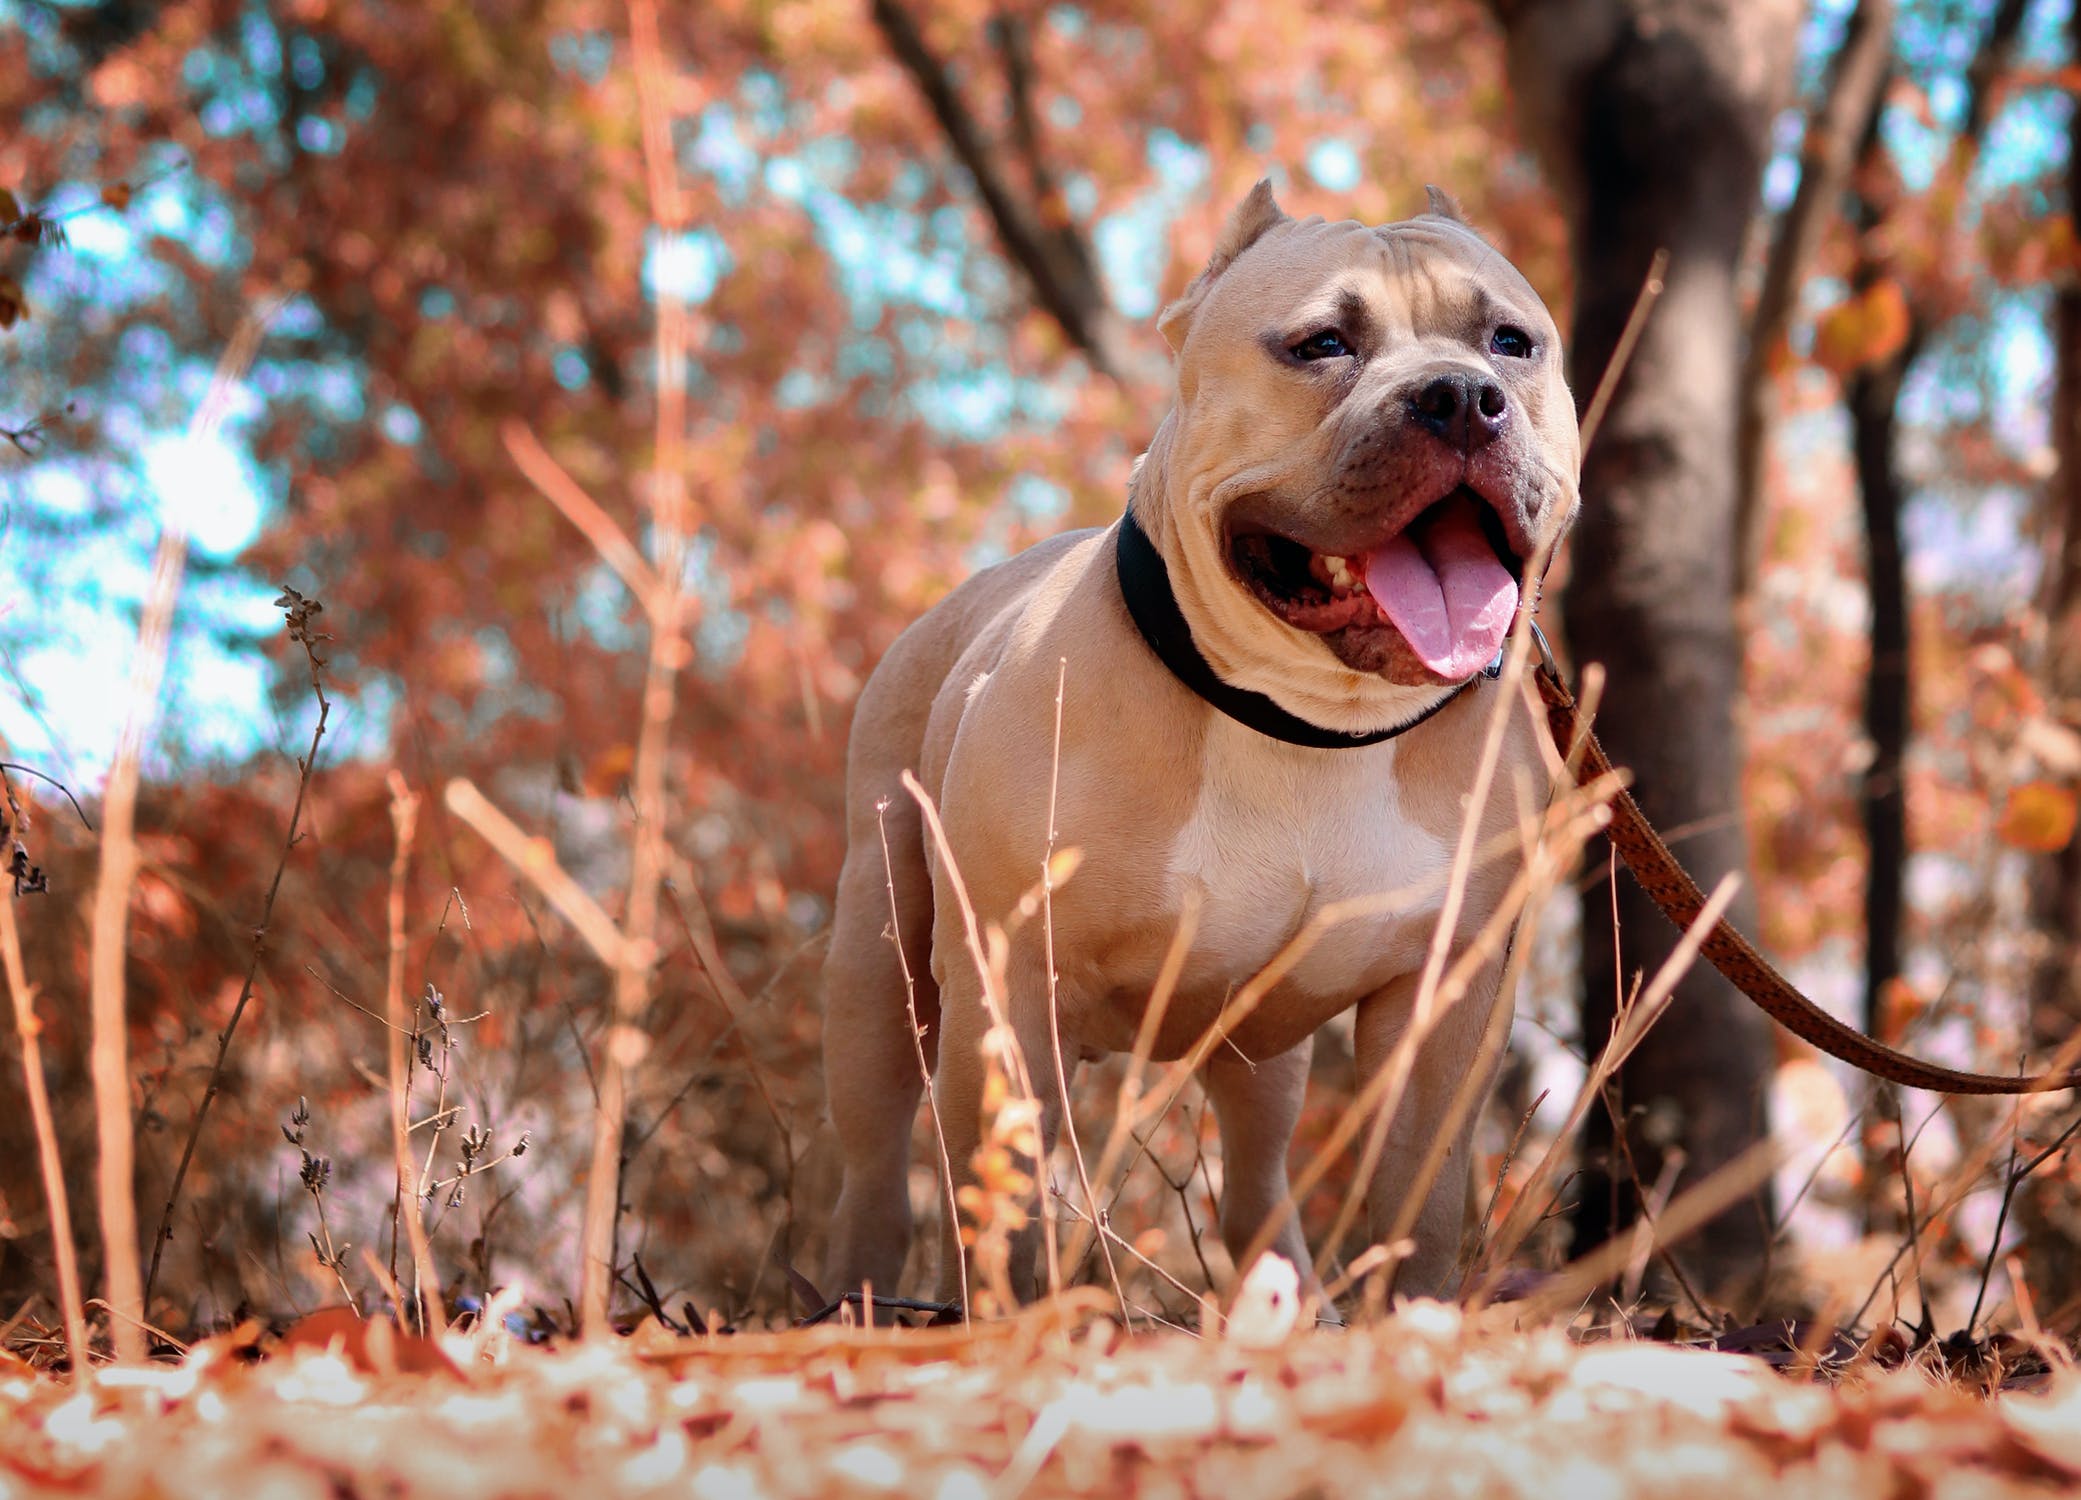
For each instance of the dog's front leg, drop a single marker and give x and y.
(1444, 1059)
(966, 1054)
(1257, 1105)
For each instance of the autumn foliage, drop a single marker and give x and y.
(913, 253)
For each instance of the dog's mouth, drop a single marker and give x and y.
(1447, 583)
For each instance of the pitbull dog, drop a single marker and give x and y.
(1324, 545)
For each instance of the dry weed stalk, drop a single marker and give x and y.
(1013, 1127)
(1628, 1029)
(1964, 1178)
(1069, 1116)
(426, 1281)
(116, 1166)
(917, 1038)
(631, 949)
(1689, 1211)
(1128, 1100)
(1644, 301)
(626, 1043)
(28, 1029)
(300, 612)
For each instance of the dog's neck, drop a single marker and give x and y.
(1145, 583)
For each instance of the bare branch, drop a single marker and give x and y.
(582, 511)
(1056, 262)
(536, 859)
(1855, 81)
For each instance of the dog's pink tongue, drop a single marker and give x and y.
(1448, 593)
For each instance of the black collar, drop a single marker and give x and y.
(1146, 583)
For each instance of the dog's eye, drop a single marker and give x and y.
(1328, 344)
(1511, 342)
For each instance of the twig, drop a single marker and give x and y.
(426, 1280)
(939, 1310)
(1127, 1102)
(1057, 264)
(299, 627)
(581, 510)
(1113, 1236)
(1907, 1190)
(1855, 78)
(64, 790)
(111, 1050)
(990, 976)
(29, 1030)
(1503, 1168)
(1430, 1003)
(1049, 875)
(2014, 1180)
(1621, 356)
(1629, 1027)
(731, 997)
(1688, 1212)
(1964, 1178)
(536, 859)
(917, 1041)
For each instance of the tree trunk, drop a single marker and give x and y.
(2056, 892)
(2048, 1211)
(1874, 396)
(1653, 117)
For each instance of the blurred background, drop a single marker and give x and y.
(1830, 554)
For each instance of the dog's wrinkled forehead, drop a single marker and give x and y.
(1425, 277)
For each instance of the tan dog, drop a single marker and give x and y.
(1371, 435)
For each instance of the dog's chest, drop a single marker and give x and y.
(1278, 838)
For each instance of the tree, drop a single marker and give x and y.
(1653, 120)
(1873, 396)
(2056, 894)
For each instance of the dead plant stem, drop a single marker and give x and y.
(116, 1163)
(215, 1083)
(29, 1030)
(426, 1281)
(917, 1039)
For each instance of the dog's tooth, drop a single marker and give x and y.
(1339, 570)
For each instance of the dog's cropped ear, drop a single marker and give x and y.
(1253, 217)
(1443, 205)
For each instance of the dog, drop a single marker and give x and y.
(1273, 698)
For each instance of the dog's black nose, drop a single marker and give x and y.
(1465, 409)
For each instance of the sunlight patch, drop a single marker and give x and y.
(204, 488)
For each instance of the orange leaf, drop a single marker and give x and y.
(1868, 327)
(2038, 816)
(610, 769)
(374, 1345)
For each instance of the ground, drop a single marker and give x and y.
(1426, 1402)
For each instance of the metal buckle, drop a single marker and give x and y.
(1547, 664)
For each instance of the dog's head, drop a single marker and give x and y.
(1371, 440)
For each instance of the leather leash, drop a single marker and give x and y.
(1677, 894)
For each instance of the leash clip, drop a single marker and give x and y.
(1547, 664)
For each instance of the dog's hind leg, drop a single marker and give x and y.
(872, 1079)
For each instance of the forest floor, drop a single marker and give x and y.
(1058, 1401)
